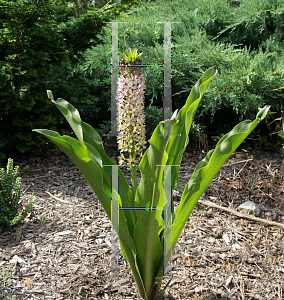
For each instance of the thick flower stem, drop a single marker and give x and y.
(133, 171)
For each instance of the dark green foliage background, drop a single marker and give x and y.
(45, 46)
(40, 44)
(244, 39)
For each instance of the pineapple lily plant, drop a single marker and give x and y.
(142, 227)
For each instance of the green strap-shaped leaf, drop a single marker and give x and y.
(89, 162)
(208, 168)
(72, 116)
(87, 134)
(150, 223)
(180, 130)
(150, 193)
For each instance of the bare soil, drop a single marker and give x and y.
(62, 250)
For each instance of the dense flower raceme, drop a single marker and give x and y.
(131, 117)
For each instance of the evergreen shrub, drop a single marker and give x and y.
(10, 191)
(38, 38)
(51, 49)
(244, 39)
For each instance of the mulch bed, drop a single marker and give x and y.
(63, 249)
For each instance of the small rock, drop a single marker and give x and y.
(250, 208)
(273, 214)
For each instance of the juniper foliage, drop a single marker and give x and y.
(244, 39)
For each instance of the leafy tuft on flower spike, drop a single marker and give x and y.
(130, 101)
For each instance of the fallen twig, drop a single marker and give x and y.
(64, 201)
(238, 162)
(236, 213)
(259, 190)
(240, 170)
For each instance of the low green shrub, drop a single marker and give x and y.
(10, 190)
(5, 283)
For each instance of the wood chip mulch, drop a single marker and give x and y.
(63, 249)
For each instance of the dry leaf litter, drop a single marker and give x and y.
(65, 248)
